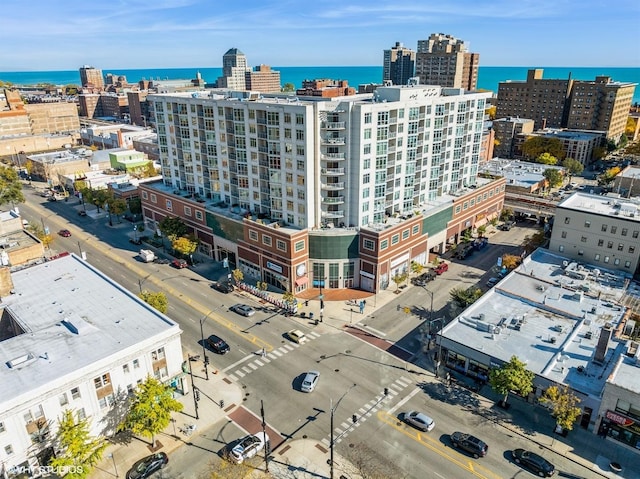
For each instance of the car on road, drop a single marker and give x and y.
(296, 336)
(82, 213)
(441, 268)
(217, 344)
(179, 263)
(222, 286)
(424, 278)
(147, 466)
(248, 447)
(51, 198)
(534, 462)
(419, 421)
(507, 225)
(243, 310)
(492, 282)
(64, 233)
(310, 381)
(471, 444)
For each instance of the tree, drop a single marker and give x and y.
(151, 408)
(288, 297)
(547, 159)
(608, 176)
(399, 278)
(288, 87)
(10, 186)
(184, 245)
(534, 146)
(553, 176)
(238, 275)
(599, 152)
(38, 232)
(416, 267)
(172, 227)
(117, 206)
(482, 230)
(630, 128)
(563, 406)
(461, 298)
(491, 111)
(573, 167)
(511, 376)
(157, 300)
(135, 206)
(506, 214)
(510, 261)
(78, 451)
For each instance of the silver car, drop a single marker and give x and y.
(243, 310)
(309, 382)
(419, 421)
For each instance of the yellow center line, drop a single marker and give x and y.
(436, 447)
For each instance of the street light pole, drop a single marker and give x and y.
(193, 388)
(333, 410)
(439, 333)
(113, 459)
(264, 431)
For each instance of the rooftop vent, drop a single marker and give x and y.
(21, 361)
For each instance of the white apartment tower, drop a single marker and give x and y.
(234, 69)
(318, 162)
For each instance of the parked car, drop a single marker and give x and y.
(179, 263)
(507, 225)
(248, 447)
(310, 381)
(64, 233)
(492, 282)
(82, 213)
(222, 286)
(419, 421)
(296, 336)
(441, 268)
(471, 444)
(217, 344)
(424, 278)
(533, 462)
(147, 466)
(243, 310)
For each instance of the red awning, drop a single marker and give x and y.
(301, 281)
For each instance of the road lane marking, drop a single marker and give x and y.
(404, 400)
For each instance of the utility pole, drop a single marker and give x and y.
(193, 388)
(333, 410)
(264, 431)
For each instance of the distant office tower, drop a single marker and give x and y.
(91, 77)
(234, 69)
(398, 64)
(444, 60)
(601, 105)
(263, 79)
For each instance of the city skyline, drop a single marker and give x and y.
(62, 35)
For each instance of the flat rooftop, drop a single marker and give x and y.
(549, 312)
(603, 205)
(64, 319)
(517, 173)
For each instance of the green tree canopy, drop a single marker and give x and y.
(511, 376)
(78, 452)
(117, 206)
(157, 300)
(547, 159)
(135, 206)
(553, 176)
(563, 405)
(151, 408)
(10, 186)
(535, 146)
(172, 227)
(416, 267)
(573, 167)
(461, 298)
(288, 87)
(399, 278)
(506, 214)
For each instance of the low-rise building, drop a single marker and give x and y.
(627, 182)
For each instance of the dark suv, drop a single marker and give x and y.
(535, 463)
(471, 444)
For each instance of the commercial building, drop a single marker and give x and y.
(263, 78)
(398, 65)
(507, 130)
(627, 182)
(579, 145)
(91, 77)
(325, 88)
(73, 339)
(565, 321)
(351, 189)
(601, 105)
(522, 177)
(445, 60)
(598, 230)
(234, 70)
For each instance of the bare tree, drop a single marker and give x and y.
(366, 463)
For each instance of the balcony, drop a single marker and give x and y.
(333, 186)
(333, 200)
(332, 171)
(332, 156)
(333, 214)
(333, 125)
(337, 140)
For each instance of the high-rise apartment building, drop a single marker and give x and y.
(398, 64)
(234, 70)
(347, 190)
(600, 105)
(91, 77)
(445, 60)
(263, 79)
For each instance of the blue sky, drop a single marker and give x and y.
(65, 34)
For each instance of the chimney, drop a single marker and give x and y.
(603, 343)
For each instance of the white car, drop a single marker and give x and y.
(309, 382)
(419, 421)
(248, 447)
(296, 336)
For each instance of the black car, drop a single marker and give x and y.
(217, 344)
(222, 286)
(471, 444)
(147, 466)
(533, 462)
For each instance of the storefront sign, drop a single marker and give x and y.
(274, 267)
(619, 419)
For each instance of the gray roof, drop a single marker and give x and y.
(73, 320)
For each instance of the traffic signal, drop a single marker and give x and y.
(354, 418)
(197, 394)
(206, 360)
(386, 391)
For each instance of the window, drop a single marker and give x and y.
(187, 211)
(596, 257)
(415, 230)
(299, 246)
(581, 252)
(64, 400)
(600, 242)
(266, 240)
(157, 355)
(81, 414)
(465, 205)
(384, 244)
(368, 244)
(106, 401)
(635, 234)
(102, 381)
(145, 196)
(624, 231)
(609, 244)
(153, 198)
(627, 264)
(161, 373)
(253, 235)
(561, 248)
(2, 429)
(604, 228)
(395, 239)
(75, 393)
(583, 239)
(281, 245)
(614, 229)
(169, 205)
(199, 215)
(616, 261)
(136, 363)
(405, 234)
(458, 209)
(620, 246)
(632, 249)
(564, 234)
(567, 220)
(125, 368)
(367, 117)
(606, 259)
(587, 224)
(8, 449)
